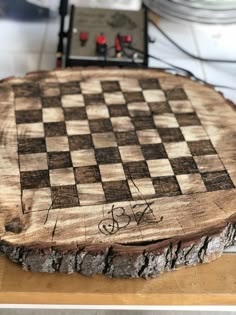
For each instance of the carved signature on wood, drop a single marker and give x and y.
(118, 218)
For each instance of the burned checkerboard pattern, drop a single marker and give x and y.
(127, 173)
(98, 141)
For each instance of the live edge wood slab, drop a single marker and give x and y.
(127, 173)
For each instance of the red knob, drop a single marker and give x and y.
(83, 36)
(101, 39)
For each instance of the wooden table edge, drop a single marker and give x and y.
(147, 296)
(118, 299)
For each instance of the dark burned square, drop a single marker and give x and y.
(188, 119)
(29, 89)
(170, 134)
(51, 101)
(59, 160)
(34, 179)
(72, 87)
(184, 165)
(219, 180)
(78, 142)
(31, 145)
(100, 125)
(153, 151)
(142, 123)
(134, 97)
(110, 86)
(201, 147)
(116, 191)
(176, 94)
(93, 99)
(87, 174)
(107, 155)
(118, 110)
(126, 138)
(75, 113)
(135, 170)
(149, 84)
(28, 116)
(55, 129)
(64, 196)
(158, 108)
(166, 186)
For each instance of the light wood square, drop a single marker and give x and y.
(181, 107)
(140, 188)
(194, 133)
(27, 103)
(97, 112)
(75, 100)
(114, 98)
(191, 183)
(148, 136)
(36, 199)
(57, 144)
(165, 121)
(209, 163)
(83, 157)
(77, 127)
(138, 109)
(62, 176)
(33, 130)
(160, 167)
(91, 87)
(112, 172)
(131, 153)
(104, 140)
(50, 91)
(33, 162)
(90, 194)
(177, 149)
(52, 114)
(122, 124)
(130, 85)
(154, 95)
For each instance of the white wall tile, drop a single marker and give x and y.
(17, 64)
(19, 36)
(48, 61)
(163, 49)
(223, 74)
(25, 62)
(216, 41)
(6, 65)
(181, 33)
(187, 63)
(51, 38)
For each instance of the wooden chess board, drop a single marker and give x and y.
(112, 164)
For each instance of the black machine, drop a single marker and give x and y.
(102, 37)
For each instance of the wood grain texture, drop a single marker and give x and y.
(132, 173)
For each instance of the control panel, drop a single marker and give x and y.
(106, 37)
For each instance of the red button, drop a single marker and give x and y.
(101, 40)
(83, 36)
